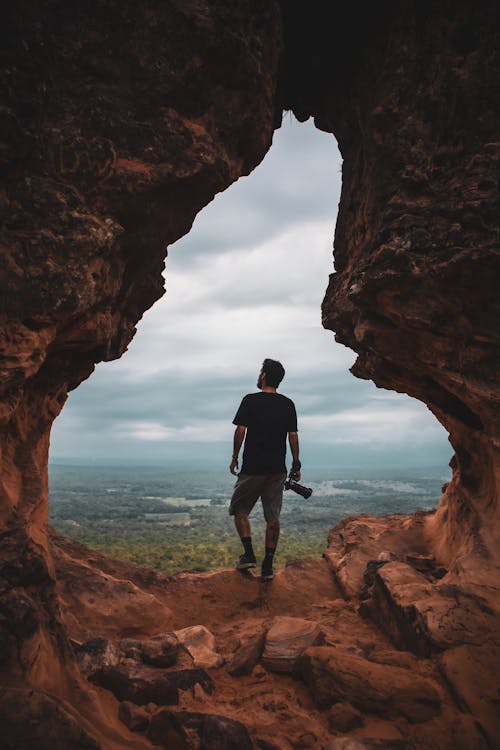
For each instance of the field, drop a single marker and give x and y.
(174, 521)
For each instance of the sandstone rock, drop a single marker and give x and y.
(198, 693)
(166, 730)
(214, 732)
(342, 717)
(402, 659)
(334, 675)
(96, 654)
(367, 743)
(184, 679)
(200, 644)
(305, 741)
(95, 601)
(473, 673)
(247, 655)
(138, 685)
(136, 718)
(357, 541)
(426, 617)
(132, 648)
(221, 733)
(97, 222)
(286, 639)
(34, 720)
(160, 650)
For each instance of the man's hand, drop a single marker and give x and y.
(295, 475)
(233, 466)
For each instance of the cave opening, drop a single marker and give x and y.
(140, 452)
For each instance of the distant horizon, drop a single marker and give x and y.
(247, 282)
(77, 463)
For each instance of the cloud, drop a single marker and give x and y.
(298, 181)
(245, 284)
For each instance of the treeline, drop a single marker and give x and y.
(196, 549)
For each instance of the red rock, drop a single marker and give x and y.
(116, 129)
(165, 730)
(286, 639)
(161, 650)
(136, 718)
(334, 675)
(97, 653)
(34, 720)
(472, 671)
(138, 685)
(247, 655)
(185, 679)
(200, 643)
(170, 730)
(342, 717)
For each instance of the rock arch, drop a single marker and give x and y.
(119, 122)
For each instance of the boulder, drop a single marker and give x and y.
(200, 645)
(286, 639)
(247, 655)
(97, 653)
(136, 718)
(136, 684)
(160, 650)
(472, 672)
(35, 720)
(343, 717)
(334, 675)
(185, 679)
(427, 617)
(131, 648)
(166, 730)
(171, 730)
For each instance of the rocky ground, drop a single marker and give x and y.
(363, 648)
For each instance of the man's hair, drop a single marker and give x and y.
(274, 371)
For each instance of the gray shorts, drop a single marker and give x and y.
(248, 489)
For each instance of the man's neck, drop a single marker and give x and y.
(268, 389)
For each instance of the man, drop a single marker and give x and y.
(263, 420)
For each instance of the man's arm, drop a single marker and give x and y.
(239, 436)
(293, 439)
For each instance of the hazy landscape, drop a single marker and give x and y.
(178, 520)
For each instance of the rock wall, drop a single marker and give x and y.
(413, 101)
(119, 122)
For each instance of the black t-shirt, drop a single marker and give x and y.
(268, 417)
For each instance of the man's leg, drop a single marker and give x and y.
(272, 533)
(245, 495)
(242, 523)
(272, 499)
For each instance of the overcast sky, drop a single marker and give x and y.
(245, 284)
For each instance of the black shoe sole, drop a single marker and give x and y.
(246, 566)
(268, 577)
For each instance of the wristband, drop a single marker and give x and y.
(296, 465)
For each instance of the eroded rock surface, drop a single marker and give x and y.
(286, 639)
(335, 675)
(118, 122)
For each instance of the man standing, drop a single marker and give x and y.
(263, 420)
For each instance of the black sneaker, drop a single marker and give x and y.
(267, 574)
(246, 561)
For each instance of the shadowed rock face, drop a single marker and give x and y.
(119, 122)
(417, 242)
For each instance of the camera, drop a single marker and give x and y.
(290, 484)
